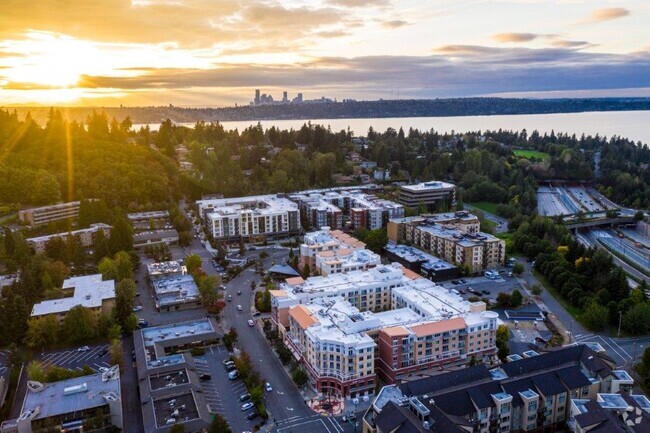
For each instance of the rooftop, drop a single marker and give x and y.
(176, 289)
(166, 268)
(260, 204)
(89, 292)
(171, 331)
(414, 255)
(66, 396)
(157, 214)
(428, 186)
(92, 229)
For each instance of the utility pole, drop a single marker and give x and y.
(620, 320)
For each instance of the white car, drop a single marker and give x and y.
(239, 308)
(251, 323)
(83, 349)
(268, 387)
(247, 406)
(137, 308)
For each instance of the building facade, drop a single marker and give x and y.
(427, 193)
(46, 214)
(85, 237)
(250, 218)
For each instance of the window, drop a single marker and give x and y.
(532, 406)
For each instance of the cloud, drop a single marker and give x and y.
(515, 37)
(358, 3)
(563, 43)
(607, 14)
(394, 24)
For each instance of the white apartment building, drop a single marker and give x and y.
(250, 218)
(332, 251)
(85, 237)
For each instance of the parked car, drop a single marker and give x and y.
(244, 397)
(228, 361)
(83, 349)
(229, 298)
(104, 352)
(251, 323)
(455, 282)
(247, 406)
(257, 313)
(252, 416)
(463, 280)
(268, 387)
(142, 323)
(485, 292)
(205, 376)
(137, 308)
(230, 367)
(239, 308)
(233, 375)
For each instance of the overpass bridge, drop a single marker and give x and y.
(600, 222)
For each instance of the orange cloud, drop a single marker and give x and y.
(515, 37)
(607, 14)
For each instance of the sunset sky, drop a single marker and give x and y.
(216, 52)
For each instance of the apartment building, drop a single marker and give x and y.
(457, 241)
(328, 207)
(325, 240)
(149, 220)
(250, 218)
(46, 214)
(530, 394)
(410, 323)
(614, 412)
(69, 405)
(149, 238)
(88, 291)
(427, 193)
(400, 229)
(85, 237)
(343, 261)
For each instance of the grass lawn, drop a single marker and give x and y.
(485, 206)
(528, 154)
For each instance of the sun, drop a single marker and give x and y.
(51, 61)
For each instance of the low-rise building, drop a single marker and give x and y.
(455, 240)
(250, 218)
(155, 237)
(425, 264)
(176, 293)
(149, 220)
(88, 291)
(46, 214)
(85, 237)
(530, 394)
(427, 193)
(168, 269)
(86, 403)
(169, 386)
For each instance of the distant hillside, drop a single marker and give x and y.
(354, 109)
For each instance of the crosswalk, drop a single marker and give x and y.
(314, 424)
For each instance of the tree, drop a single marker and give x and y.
(123, 265)
(503, 335)
(10, 241)
(193, 263)
(595, 316)
(376, 240)
(306, 271)
(518, 269)
(637, 319)
(43, 331)
(117, 353)
(242, 247)
(208, 290)
(219, 425)
(516, 298)
(79, 325)
(36, 372)
(299, 376)
(108, 268)
(121, 236)
(124, 297)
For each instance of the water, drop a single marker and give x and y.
(634, 125)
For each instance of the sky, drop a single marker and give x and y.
(209, 53)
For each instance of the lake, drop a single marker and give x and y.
(634, 125)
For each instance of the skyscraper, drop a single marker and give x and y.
(285, 99)
(257, 96)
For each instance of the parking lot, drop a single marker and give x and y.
(95, 357)
(485, 287)
(221, 393)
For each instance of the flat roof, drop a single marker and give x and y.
(92, 229)
(258, 204)
(77, 394)
(90, 291)
(155, 234)
(166, 268)
(428, 186)
(414, 255)
(156, 334)
(176, 289)
(156, 214)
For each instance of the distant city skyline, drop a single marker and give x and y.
(216, 52)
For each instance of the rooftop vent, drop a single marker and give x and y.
(76, 389)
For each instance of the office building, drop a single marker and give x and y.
(88, 291)
(256, 101)
(428, 193)
(456, 242)
(420, 262)
(176, 293)
(85, 237)
(149, 220)
(250, 218)
(347, 329)
(70, 405)
(530, 394)
(46, 214)
(170, 389)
